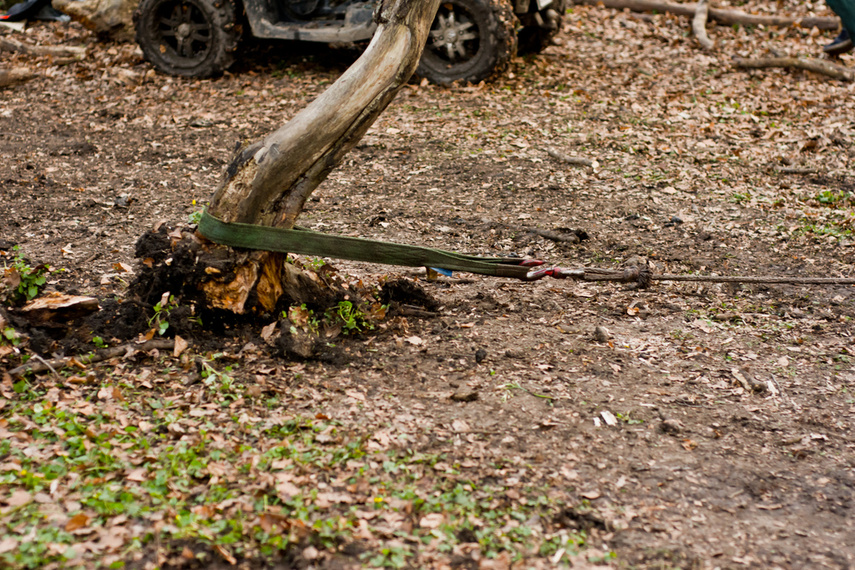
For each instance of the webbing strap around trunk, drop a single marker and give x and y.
(306, 242)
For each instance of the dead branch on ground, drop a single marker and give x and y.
(726, 17)
(8, 44)
(553, 236)
(91, 358)
(816, 65)
(699, 25)
(10, 75)
(574, 160)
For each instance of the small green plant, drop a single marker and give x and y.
(315, 263)
(388, 557)
(99, 342)
(22, 282)
(351, 318)
(10, 336)
(833, 199)
(508, 390)
(302, 317)
(837, 230)
(739, 197)
(160, 319)
(510, 386)
(567, 543)
(629, 420)
(213, 378)
(195, 218)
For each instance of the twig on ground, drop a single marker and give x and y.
(816, 65)
(796, 170)
(559, 234)
(411, 311)
(7, 44)
(97, 356)
(699, 25)
(643, 277)
(554, 236)
(11, 75)
(47, 364)
(574, 160)
(726, 17)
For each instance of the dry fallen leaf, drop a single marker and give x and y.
(271, 522)
(137, 475)
(609, 418)
(431, 520)
(180, 346)
(19, 498)
(287, 490)
(267, 331)
(78, 521)
(226, 555)
(121, 267)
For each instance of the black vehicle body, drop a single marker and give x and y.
(470, 40)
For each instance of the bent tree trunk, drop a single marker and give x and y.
(269, 181)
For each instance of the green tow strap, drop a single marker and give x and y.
(306, 242)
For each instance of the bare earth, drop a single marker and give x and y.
(707, 425)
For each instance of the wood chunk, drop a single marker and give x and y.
(58, 308)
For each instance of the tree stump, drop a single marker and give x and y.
(269, 181)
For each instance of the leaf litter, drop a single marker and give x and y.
(709, 425)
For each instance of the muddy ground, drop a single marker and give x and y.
(733, 442)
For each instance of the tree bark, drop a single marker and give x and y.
(269, 181)
(726, 17)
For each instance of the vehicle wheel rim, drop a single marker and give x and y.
(184, 29)
(454, 35)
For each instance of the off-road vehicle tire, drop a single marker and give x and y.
(533, 38)
(469, 41)
(190, 38)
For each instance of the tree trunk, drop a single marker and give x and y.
(269, 181)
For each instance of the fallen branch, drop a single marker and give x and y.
(7, 44)
(574, 160)
(11, 75)
(554, 236)
(796, 170)
(816, 65)
(97, 356)
(564, 235)
(643, 277)
(726, 17)
(699, 25)
(413, 311)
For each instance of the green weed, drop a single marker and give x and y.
(160, 319)
(834, 199)
(350, 317)
(21, 281)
